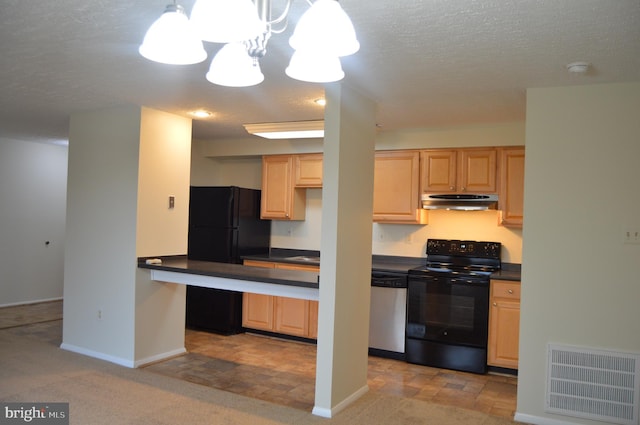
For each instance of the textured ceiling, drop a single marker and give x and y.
(426, 62)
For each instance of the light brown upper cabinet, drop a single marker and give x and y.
(308, 170)
(511, 198)
(280, 199)
(470, 170)
(396, 188)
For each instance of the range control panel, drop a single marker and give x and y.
(463, 248)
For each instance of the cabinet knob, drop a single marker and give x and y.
(510, 291)
(495, 304)
(464, 189)
(452, 188)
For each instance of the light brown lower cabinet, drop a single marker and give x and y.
(289, 316)
(257, 311)
(504, 324)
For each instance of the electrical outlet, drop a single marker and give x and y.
(632, 237)
(99, 314)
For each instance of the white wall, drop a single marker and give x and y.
(164, 169)
(225, 163)
(100, 251)
(33, 186)
(580, 283)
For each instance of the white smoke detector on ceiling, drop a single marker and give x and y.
(578, 67)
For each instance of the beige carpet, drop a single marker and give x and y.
(103, 393)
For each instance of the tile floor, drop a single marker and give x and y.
(283, 372)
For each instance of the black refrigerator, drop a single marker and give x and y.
(224, 226)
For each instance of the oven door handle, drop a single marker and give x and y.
(457, 280)
(479, 283)
(389, 281)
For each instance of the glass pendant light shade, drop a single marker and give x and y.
(233, 67)
(314, 67)
(172, 40)
(226, 21)
(325, 27)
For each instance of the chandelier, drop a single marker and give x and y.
(323, 34)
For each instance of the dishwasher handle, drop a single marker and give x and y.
(389, 281)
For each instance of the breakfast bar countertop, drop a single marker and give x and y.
(180, 264)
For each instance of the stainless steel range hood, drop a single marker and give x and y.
(459, 201)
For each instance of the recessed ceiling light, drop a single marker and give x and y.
(201, 113)
(578, 67)
(321, 101)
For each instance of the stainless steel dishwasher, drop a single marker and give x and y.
(388, 314)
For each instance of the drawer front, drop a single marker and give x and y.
(505, 289)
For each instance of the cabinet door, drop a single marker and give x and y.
(504, 333)
(504, 324)
(313, 319)
(291, 316)
(276, 186)
(396, 196)
(280, 200)
(438, 171)
(291, 320)
(511, 199)
(257, 311)
(477, 171)
(308, 170)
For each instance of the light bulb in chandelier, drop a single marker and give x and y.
(233, 67)
(325, 28)
(314, 68)
(172, 40)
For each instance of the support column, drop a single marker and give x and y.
(345, 278)
(124, 163)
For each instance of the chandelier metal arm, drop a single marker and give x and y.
(283, 15)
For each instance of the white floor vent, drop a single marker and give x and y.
(593, 384)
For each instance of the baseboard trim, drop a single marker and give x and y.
(44, 300)
(539, 420)
(160, 357)
(90, 353)
(329, 413)
(120, 361)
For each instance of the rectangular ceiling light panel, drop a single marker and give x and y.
(287, 130)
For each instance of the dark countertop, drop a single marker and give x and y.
(392, 263)
(509, 271)
(387, 263)
(181, 264)
(309, 279)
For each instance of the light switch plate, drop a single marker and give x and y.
(172, 202)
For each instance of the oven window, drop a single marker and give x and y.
(441, 311)
(452, 311)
